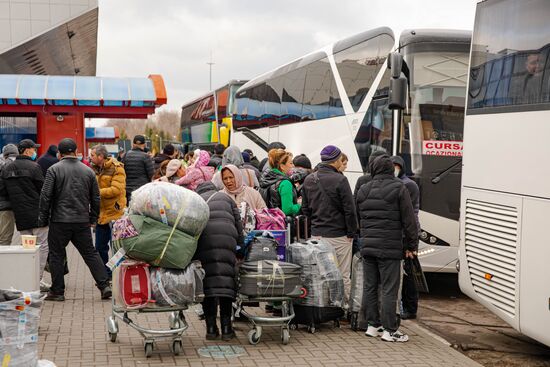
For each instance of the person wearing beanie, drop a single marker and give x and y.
(7, 219)
(48, 159)
(327, 201)
(250, 166)
(70, 204)
(253, 159)
(302, 161)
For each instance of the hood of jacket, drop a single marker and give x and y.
(271, 177)
(232, 155)
(381, 165)
(202, 160)
(398, 160)
(205, 187)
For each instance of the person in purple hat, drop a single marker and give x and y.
(327, 200)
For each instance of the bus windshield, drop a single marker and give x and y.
(437, 89)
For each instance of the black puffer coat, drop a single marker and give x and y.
(139, 169)
(269, 188)
(218, 242)
(387, 220)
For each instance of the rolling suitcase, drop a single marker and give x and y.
(132, 284)
(301, 229)
(270, 279)
(313, 316)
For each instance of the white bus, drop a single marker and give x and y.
(339, 95)
(505, 201)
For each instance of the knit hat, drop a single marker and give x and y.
(302, 161)
(9, 150)
(246, 157)
(173, 166)
(330, 153)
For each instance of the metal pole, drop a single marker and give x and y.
(210, 65)
(396, 117)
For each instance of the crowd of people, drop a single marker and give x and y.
(59, 199)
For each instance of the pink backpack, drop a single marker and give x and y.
(270, 219)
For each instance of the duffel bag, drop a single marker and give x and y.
(262, 248)
(268, 278)
(158, 244)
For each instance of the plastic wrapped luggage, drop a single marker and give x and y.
(313, 316)
(19, 320)
(157, 244)
(322, 278)
(171, 204)
(357, 313)
(262, 248)
(132, 284)
(269, 278)
(172, 287)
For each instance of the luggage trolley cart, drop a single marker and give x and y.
(259, 322)
(176, 318)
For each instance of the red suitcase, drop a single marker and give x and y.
(134, 284)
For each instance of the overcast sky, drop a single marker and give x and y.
(174, 38)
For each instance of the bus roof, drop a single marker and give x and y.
(229, 83)
(412, 36)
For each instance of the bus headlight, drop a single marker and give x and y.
(423, 235)
(433, 239)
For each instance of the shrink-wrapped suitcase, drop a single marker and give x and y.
(173, 287)
(268, 278)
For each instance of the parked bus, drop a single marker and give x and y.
(207, 121)
(339, 95)
(505, 201)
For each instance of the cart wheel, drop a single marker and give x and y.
(254, 337)
(354, 322)
(112, 337)
(337, 323)
(148, 349)
(285, 336)
(177, 347)
(112, 325)
(311, 329)
(293, 326)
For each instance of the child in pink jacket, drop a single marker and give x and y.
(198, 172)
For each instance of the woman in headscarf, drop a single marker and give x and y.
(234, 187)
(198, 172)
(233, 155)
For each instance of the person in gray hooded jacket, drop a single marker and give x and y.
(7, 219)
(233, 155)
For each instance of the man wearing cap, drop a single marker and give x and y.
(328, 202)
(111, 179)
(69, 202)
(21, 182)
(7, 220)
(138, 166)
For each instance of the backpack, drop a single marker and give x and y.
(270, 219)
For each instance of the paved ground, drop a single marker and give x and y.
(73, 334)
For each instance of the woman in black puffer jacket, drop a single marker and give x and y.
(216, 251)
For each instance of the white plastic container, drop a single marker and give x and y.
(19, 268)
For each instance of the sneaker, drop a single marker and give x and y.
(44, 287)
(55, 297)
(106, 293)
(374, 332)
(396, 336)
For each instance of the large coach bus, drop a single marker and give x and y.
(339, 95)
(206, 120)
(505, 215)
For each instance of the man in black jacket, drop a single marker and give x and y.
(216, 159)
(138, 166)
(48, 159)
(388, 231)
(69, 202)
(328, 202)
(21, 183)
(409, 293)
(367, 176)
(168, 152)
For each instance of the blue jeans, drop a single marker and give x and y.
(102, 239)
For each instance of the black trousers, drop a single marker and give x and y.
(80, 234)
(384, 273)
(409, 293)
(210, 306)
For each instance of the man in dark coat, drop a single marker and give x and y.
(387, 231)
(7, 220)
(48, 159)
(367, 176)
(21, 183)
(409, 293)
(216, 159)
(216, 251)
(328, 203)
(253, 159)
(168, 152)
(69, 203)
(138, 167)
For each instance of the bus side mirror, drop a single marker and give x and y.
(398, 83)
(398, 93)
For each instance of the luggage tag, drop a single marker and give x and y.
(116, 259)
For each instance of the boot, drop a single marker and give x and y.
(212, 331)
(227, 328)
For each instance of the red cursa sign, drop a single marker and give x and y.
(445, 148)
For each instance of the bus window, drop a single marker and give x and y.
(509, 65)
(319, 79)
